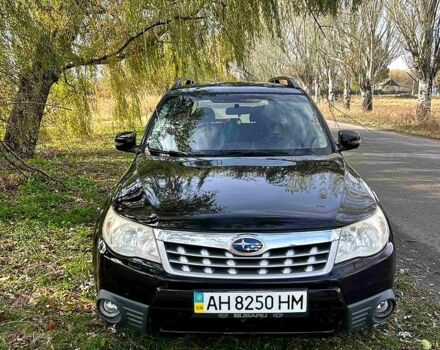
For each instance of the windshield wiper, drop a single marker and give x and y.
(170, 153)
(252, 153)
(225, 153)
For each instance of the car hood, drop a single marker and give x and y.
(243, 193)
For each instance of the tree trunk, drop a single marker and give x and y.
(23, 125)
(306, 88)
(317, 91)
(367, 97)
(423, 111)
(331, 86)
(347, 92)
(309, 88)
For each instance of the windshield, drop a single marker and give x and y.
(221, 124)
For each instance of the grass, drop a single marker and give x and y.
(46, 283)
(392, 113)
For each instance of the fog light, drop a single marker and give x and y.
(384, 309)
(108, 308)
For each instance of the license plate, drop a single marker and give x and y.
(250, 302)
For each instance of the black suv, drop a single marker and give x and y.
(239, 214)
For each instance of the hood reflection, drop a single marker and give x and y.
(245, 194)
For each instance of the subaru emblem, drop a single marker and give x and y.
(247, 246)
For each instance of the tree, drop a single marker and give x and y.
(302, 42)
(294, 53)
(330, 60)
(418, 22)
(266, 59)
(368, 46)
(43, 42)
(339, 44)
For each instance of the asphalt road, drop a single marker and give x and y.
(404, 171)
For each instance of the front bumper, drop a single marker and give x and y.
(359, 315)
(150, 299)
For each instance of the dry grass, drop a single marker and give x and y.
(102, 110)
(393, 113)
(64, 126)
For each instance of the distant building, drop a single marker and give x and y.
(390, 86)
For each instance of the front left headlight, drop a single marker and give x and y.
(129, 238)
(363, 238)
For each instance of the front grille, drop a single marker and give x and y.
(290, 258)
(191, 258)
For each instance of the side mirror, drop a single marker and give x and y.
(126, 141)
(348, 139)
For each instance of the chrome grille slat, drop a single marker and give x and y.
(285, 255)
(248, 266)
(249, 257)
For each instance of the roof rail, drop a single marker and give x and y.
(286, 81)
(183, 82)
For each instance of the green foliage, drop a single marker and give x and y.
(68, 109)
(38, 202)
(144, 43)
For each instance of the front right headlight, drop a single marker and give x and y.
(128, 238)
(363, 238)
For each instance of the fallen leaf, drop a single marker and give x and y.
(50, 325)
(426, 344)
(404, 335)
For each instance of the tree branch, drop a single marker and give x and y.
(15, 101)
(306, 3)
(412, 78)
(119, 54)
(22, 166)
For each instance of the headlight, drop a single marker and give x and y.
(128, 238)
(364, 238)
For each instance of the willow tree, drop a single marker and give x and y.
(418, 22)
(42, 41)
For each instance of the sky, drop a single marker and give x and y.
(399, 63)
